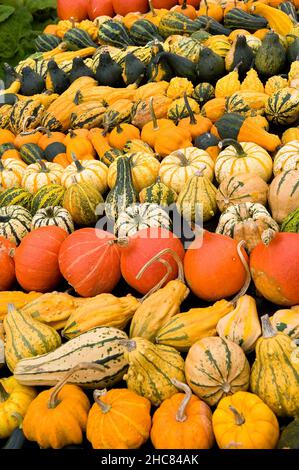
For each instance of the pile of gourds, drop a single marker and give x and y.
(112, 130)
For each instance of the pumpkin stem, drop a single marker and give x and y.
(181, 414)
(190, 110)
(239, 418)
(3, 394)
(184, 5)
(239, 149)
(105, 408)
(11, 308)
(26, 122)
(43, 166)
(158, 256)
(153, 114)
(248, 274)
(78, 164)
(54, 400)
(268, 235)
(182, 156)
(73, 21)
(200, 172)
(152, 10)
(38, 129)
(161, 283)
(267, 327)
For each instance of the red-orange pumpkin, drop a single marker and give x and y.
(274, 266)
(89, 261)
(123, 8)
(213, 267)
(36, 259)
(141, 248)
(7, 271)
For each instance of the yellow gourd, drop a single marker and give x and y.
(287, 321)
(252, 82)
(178, 87)
(278, 21)
(242, 325)
(275, 83)
(228, 85)
(19, 299)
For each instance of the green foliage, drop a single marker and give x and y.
(20, 22)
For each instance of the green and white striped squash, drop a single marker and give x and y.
(216, 367)
(290, 223)
(15, 223)
(140, 216)
(49, 195)
(282, 106)
(283, 195)
(203, 93)
(152, 368)
(115, 34)
(26, 337)
(46, 42)
(236, 104)
(91, 172)
(185, 47)
(31, 153)
(176, 23)
(53, 216)
(76, 38)
(246, 221)
(287, 158)
(11, 173)
(81, 201)
(100, 345)
(143, 31)
(287, 321)
(16, 197)
(197, 200)
(158, 193)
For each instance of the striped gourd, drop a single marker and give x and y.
(178, 109)
(8, 151)
(158, 193)
(88, 119)
(283, 194)
(41, 174)
(118, 112)
(203, 92)
(110, 156)
(11, 173)
(5, 112)
(77, 38)
(197, 200)
(282, 106)
(46, 42)
(31, 153)
(91, 172)
(18, 298)
(185, 47)
(53, 216)
(82, 200)
(49, 195)
(137, 145)
(26, 337)
(275, 371)
(290, 223)
(287, 321)
(219, 44)
(216, 367)
(115, 34)
(236, 104)
(15, 223)
(236, 19)
(184, 329)
(124, 193)
(176, 23)
(16, 197)
(100, 345)
(140, 216)
(143, 31)
(287, 158)
(20, 113)
(152, 368)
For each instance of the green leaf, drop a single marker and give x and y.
(5, 12)
(13, 3)
(38, 5)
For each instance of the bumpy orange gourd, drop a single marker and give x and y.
(151, 130)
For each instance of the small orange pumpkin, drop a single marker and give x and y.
(185, 9)
(121, 134)
(151, 130)
(6, 137)
(195, 123)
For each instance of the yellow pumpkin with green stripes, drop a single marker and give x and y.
(287, 321)
(50, 195)
(282, 106)
(81, 200)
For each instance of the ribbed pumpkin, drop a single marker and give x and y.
(7, 273)
(244, 157)
(284, 194)
(239, 188)
(89, 261)
(273, 269)
(246, 221)
(81, 201)
(139, 216)
(216, 367)
(275, 372)
(15, 223)
(152, 368)
(197, 200)
(287, 321)
(144, 168)
(91, 172)
(49, 195)
(117, 408)
(188, 421)
(287, 158)
(53, 216)
(26, 337)
(283, 106)
(41, 174)
(242, 325)
(179, 166)
(157, 193)
(36, 259)
(11, 173)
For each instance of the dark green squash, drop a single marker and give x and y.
(201, 35)
(123, 194)
(229, 125)
(293, 50)
(77, 38)
(211, 25)
(181, 66)
(271, 56)
(289, 438)
(31, 153)
(289, 9)
(210, 66)
(10, 75)
(111, 155)
(203, 93)
(16, 440)
(58, 78)
(209, 143)
(158, 69)
(80, 69)
(46, 42)
(176, 23)
(115, 34)
(32, 83)
(133, 70)
(239, 19)
(143, 31)
(241, 56)
(109, 73)
(8, 98)
(53, 150)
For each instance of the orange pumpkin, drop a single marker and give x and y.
(195, 123)
(50, 138)
(185, 9)
(235, 4)
(7, 271)
(188, 421)
(51, 29)
(213, 10)
(27, 138)
(80, 145)
(216, 267)
(152, 129)
(120, 135)
(6, 137)
(99, 141)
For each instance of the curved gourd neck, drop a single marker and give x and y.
(105, 407)
(267, 327)
(181, 415)
(4, 396)
(238, 147)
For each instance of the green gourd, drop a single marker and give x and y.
(210, 66)
(271, 56)
(240, 55)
